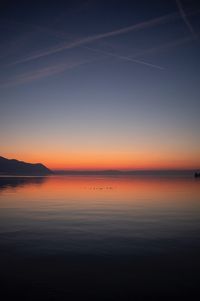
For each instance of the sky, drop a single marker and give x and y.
(101, 84)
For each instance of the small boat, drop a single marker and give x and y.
(197, 175)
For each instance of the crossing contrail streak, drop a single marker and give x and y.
(89, 39)
(184, 17)
(126, 58)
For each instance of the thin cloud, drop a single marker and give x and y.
(184, 17)
(83, 41)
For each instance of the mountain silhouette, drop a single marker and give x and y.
(15, 167)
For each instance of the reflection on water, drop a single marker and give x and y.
(6, 182)
(99, 215)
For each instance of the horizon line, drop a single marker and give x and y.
(125, 170)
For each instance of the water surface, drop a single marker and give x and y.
(116, 234)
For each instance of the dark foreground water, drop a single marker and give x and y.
(99, 238)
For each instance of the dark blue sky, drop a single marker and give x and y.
(94, 84)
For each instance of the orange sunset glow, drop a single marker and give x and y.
(112, 160)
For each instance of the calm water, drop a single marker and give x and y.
(123, 235)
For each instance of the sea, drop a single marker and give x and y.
(96, 237)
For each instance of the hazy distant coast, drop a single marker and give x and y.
(158, 173)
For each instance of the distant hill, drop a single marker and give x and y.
(15, 167)
(88, 172)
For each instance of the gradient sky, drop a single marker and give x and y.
(101, 84)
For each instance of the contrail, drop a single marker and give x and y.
(165, 46)
(126, 58)
(83, 41)
(62, 35)
(184, 17)
(42, 73)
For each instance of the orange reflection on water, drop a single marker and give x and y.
(90, 190)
